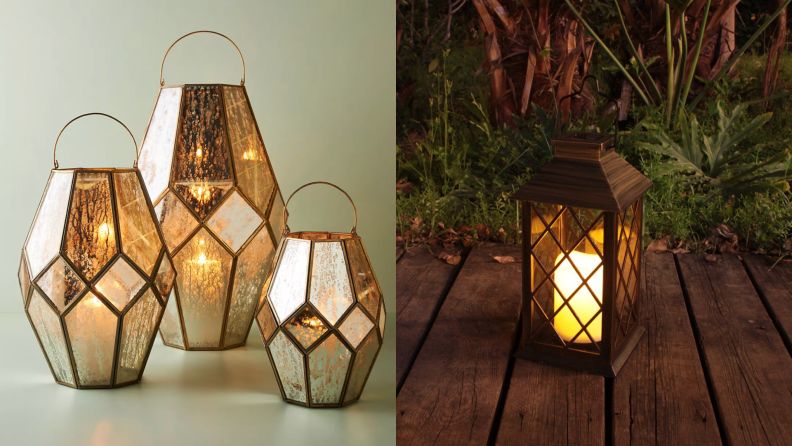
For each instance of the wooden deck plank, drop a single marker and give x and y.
(399, 252)
(744, 357)
(451, 394)
(775, 288)
(551, 406)
(422, 282)
(660, 396)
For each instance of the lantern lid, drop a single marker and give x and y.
(586, 172)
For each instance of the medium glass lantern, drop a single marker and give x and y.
(582, 223)
(219, 206)
(95, 276)
(322, 316)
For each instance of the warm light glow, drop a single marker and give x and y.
(201, 193)
(93, 300)
(199, 152)
(201, 259)
(103, 230)
(583, 303)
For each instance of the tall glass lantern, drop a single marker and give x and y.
(219, 205)
(582, 222)
(95, 275)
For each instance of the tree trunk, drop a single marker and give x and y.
(778, 39)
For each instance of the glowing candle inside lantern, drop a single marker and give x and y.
(583, 303)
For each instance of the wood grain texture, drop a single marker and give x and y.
(775, 288)
(551, 406)
(451, 394)
(748, 366)
(422, 282)
(660, 396)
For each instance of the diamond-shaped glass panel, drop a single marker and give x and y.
(156, 153)
(575, 222)
(137, 332)
(45, 237)
(50, 334)
(139, 237)
(288, 289)
(165, 276)
(91, 233)
(276, 216)
(327, 367)
(253, 265)
(251, 165)
(92, 333)
(290, 365)
(266, 321)
(382, 319)
(543, 214)
(170, 327)
(356, 326)
(331, 293)
(202, 175)
(368, 292)
(234, 222)
(61, 284)
(175, 220)
(569, 279)
(361, 367)
(542, 313)
(204, 273)
(120, 284)
(306, 327)
(24, 280)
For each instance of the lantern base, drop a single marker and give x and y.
(202, 349)
(582, 365)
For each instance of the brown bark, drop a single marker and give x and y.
(779, 32)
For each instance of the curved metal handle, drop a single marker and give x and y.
(55, 150)
(162, 81)
(286, 217)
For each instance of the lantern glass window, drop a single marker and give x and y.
(92, 330)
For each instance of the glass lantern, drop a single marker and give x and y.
(582, 223)
(95, 276)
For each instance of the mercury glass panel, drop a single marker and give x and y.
(156, 154)
(204, 269)
(361, 366)
(165, 276)
(287, 292)
(234, 222)
(276, 217)
(170, 327)
(120, 284)
(139, 237)
(45, 237)
(90, 236)
(138, 328)
(92, 332)
(60, 284)
(327, 366)
(266, 321)
(252, 267)
(252, 168)
(24, 280)
(356, 327)
(50, 334)
(290, 367)
(368, 293)
(175, 220)
(382, 319)
(331, 293)
(306, 327)
(202, 174)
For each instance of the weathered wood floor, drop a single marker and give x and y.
(715, 366)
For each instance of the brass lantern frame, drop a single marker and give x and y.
(265, 215)
(586, 176)
(89, 288)
(316, 237)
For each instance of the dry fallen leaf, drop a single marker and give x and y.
(507, 259)
(451, 259)
(659, 245)
(711, 258)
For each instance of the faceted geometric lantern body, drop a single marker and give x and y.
(95, 276)
(322, 318)
(219, 205)
(582, 223)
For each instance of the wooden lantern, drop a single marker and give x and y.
(582, 223)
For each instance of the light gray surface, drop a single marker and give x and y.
(185, 398)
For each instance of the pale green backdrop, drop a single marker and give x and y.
(320, 77)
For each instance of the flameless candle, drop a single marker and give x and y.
(583, 303)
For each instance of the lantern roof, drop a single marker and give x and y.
(586, 172)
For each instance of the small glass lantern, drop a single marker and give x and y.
(582, 223)
(95, 275)
(219, 205)
(322, 316)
